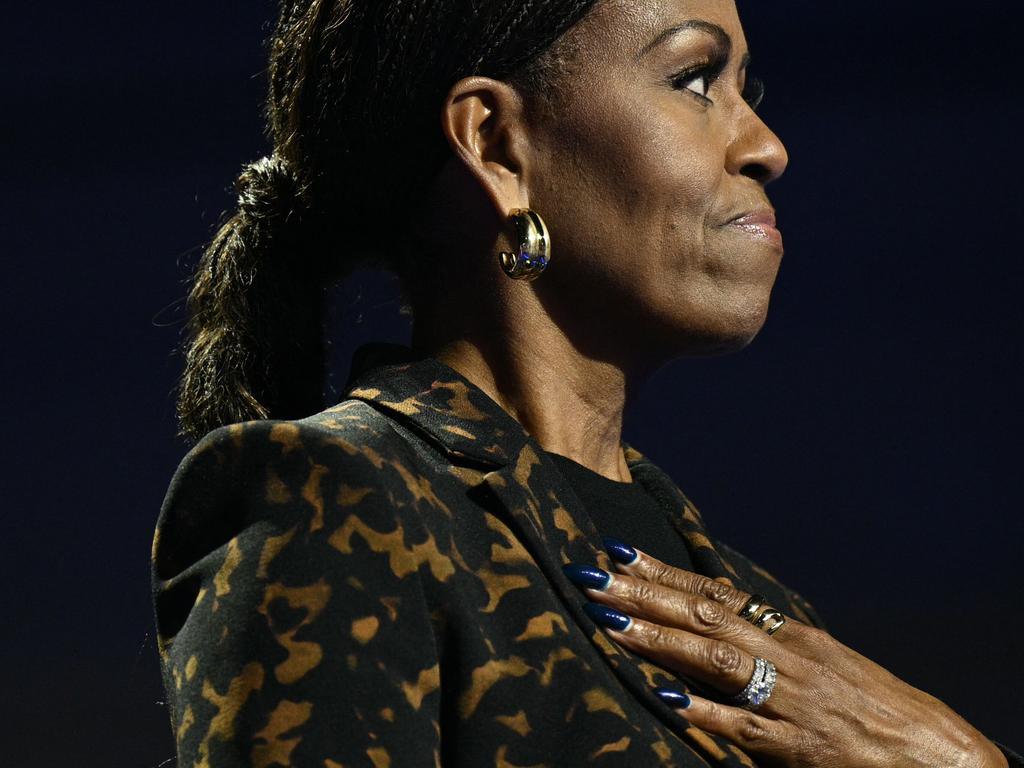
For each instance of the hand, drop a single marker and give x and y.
(830, 707)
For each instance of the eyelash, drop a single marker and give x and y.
(753, 93)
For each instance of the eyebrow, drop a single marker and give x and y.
(720, 35)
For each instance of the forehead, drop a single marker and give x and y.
(626, 26)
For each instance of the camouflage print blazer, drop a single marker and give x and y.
(381, 584)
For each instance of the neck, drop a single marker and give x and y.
(570, 403)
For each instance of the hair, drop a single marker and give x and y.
(356, 88)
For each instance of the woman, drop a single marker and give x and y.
(572, 193)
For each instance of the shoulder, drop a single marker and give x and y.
(268, 476)
(287, 562)
(352, 435)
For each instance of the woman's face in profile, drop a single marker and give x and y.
(653, 171)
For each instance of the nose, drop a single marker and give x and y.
(755, 151)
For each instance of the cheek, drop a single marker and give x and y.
(636, 182)
(636, 192)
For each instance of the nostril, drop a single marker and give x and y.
(760, 173)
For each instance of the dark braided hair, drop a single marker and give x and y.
(356, 88)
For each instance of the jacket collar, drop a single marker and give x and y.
(438, 402)
(469, 427)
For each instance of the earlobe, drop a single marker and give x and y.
(482, 120)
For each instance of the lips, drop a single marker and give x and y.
(760, 223)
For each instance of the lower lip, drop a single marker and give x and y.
(765, 232)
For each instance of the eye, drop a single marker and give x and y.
(698, 80)
(695, 82)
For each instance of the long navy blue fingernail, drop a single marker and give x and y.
(620, 551)
(675, 699)
(587, 576)
(607, 617)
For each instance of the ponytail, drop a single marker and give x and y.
(255, 331)
(352, 111)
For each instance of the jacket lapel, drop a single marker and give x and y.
(552, 523)
(531, 495)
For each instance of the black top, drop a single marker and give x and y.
(626, 511)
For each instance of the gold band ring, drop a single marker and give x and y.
(757, 611)
(771, 621)
(753, 605)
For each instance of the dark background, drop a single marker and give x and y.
(865, 448)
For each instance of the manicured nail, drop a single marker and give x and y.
(675, 699)
(620, 551)
(587, 576)
(607, 617)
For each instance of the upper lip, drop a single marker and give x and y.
(759, 217)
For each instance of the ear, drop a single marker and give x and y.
(484, 124)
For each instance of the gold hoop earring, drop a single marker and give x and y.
(533, 243)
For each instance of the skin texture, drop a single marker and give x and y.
(637, 179)
(830, 708)
(640, 181)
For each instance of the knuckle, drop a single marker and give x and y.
(709, 615)
(654, 635)
(724, 658)
(814, 637)
(817, 641)
(751, 731)
(716, 717)
(715, 590)
(658, 572)
(642, 592)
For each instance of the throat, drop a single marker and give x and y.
(573, 408)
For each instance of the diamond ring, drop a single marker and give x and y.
(760, 687)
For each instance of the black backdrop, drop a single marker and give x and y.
(865, 448)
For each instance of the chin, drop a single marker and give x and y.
(728, 332)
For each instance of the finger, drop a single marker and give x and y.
(749, 731)
(637, 563)
(669, 607)
(715, 663)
